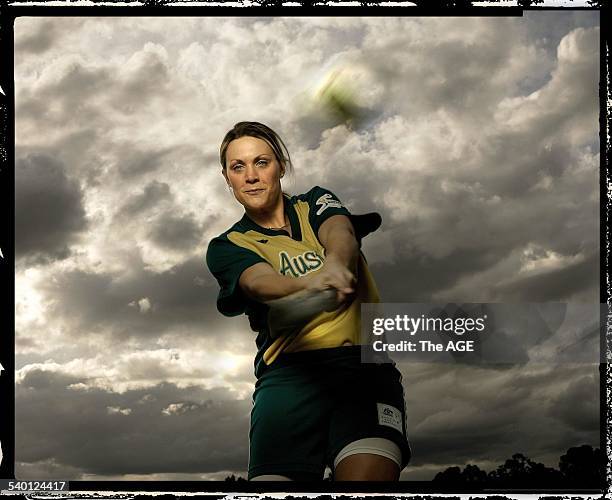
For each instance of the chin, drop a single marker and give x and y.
(255, 203)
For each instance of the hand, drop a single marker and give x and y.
(334, 275)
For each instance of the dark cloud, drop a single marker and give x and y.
(525, 162)
(143, 79)
(470, 221)
(455, 80)
(184, 295)
(88, 297)
(49, 211)
(38, 41)
(45, 469)
(83, 91)
(176, 232)
(25, 342)
(458, 414)
(69, 92)
(425, 274)
(132, 161)
(153, 193)
(141, 162)
(548, 28)
(443, 74)
(308, 127)
(78, 83)
(577, 406)
(553, 286)
(155, 430)
(76, 150)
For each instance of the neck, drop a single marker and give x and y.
(272, 219)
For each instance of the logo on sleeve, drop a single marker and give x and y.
(327, 201)
(390, 416)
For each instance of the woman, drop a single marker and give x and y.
(315, 403)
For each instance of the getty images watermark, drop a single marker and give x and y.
(484, 333)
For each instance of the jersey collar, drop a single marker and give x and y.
(296, 231)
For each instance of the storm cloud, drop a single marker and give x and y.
(161, 429)
(49, 212)
(153, 193)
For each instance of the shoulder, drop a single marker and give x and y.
(221, 247)
(318, 196)
(312, 192)
(222, 239)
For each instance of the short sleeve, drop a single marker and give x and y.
(227, 262)
(323, 204)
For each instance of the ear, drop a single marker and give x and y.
(282, 169)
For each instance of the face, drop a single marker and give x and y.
(253, 172)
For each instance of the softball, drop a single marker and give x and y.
(348, 93)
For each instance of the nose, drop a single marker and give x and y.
(251, 174)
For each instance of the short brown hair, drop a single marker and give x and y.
(260, 131)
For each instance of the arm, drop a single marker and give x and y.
(337, 235)
(262, 283)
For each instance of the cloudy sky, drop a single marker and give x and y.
(479, 148)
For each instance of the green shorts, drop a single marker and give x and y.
(309, 405)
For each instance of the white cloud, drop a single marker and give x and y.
(179, 408)
(143, 305)
(142, 369)
(114, 410)
(536, 260)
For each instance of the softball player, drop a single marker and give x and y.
(315, 404)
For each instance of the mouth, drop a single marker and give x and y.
(254, 192)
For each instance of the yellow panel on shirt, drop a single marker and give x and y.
(298, 258)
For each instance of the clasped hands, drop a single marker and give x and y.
(334, 274)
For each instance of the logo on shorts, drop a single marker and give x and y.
(390, 416)
(327, 201)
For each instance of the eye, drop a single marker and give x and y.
(237, 166)
(262, 163)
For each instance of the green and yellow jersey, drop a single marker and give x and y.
(247, 243)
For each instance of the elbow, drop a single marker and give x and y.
(351, 238)
(252, 289)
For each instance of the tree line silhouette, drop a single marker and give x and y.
(580, 467)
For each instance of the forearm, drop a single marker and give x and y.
(262, 283)
(266, 287)
(341, 246)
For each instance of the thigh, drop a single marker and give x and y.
(289, 423)
(370, 446)
(366, 467)
(369, 404)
